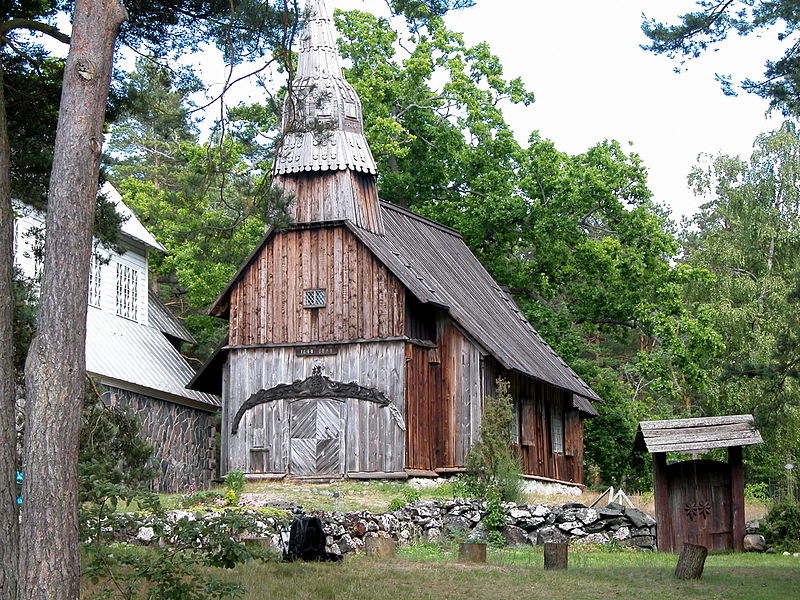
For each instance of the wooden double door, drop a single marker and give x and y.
(699, 505)
(316, 437)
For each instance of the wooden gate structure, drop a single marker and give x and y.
(698, 502)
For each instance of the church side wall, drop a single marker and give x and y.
(183, 438)
(373, 440)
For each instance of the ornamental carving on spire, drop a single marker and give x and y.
(323, 126)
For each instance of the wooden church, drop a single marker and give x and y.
(364, 338)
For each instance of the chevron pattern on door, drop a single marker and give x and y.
(316, 437)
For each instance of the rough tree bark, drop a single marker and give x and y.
(9, 522)
(49, 553)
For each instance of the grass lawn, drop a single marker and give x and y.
(425, 573)
(353, 496)
(430, 573)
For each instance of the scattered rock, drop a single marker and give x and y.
(754, 542)
(550, 534)
(145, 534)
(514, 536)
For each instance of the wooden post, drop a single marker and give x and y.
(555, 555)
(664, 535)
(737, 496)
(380, 547)
(472, 552)
(691, 562)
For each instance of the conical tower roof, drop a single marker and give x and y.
(323, 126)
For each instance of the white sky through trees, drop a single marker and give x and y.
(592, 80)
(582, 59)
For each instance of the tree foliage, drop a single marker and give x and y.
(712, 22)
(748, 236)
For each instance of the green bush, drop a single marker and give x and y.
(492, 464)
(781, 526)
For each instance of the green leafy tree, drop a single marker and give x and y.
(748, 236)
(697, 31)
(207, 203)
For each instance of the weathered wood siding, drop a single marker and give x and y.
(364, 300)
(535, 399)
(444, 399)
(333, 196)
(372, 439)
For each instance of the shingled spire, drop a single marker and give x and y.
(324, 158)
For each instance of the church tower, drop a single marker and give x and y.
(324, 159)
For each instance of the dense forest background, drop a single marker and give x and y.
(662, 319)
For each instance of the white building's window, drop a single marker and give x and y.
(95, 269)
(127, 291)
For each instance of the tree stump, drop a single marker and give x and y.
(380, 547)
(555, 555)
(472, 552)
(691, 562)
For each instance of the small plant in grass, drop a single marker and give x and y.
(492, 464)
(781, 526)
(201, 498)
(409, 495)
(235, 482)
(397, 503)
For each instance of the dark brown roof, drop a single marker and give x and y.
(435, 264)
(685, 435)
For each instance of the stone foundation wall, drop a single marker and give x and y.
(182, 437)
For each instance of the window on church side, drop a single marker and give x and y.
(557, 428)
(313, 298)
(127, 291)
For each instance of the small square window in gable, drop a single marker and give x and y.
(314, 298)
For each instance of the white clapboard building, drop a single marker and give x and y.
(132, 348)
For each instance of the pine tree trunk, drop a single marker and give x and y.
(49, 552)
(9, 522)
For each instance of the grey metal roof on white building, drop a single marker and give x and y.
(134, 355)
(160, 316)
(323, 125)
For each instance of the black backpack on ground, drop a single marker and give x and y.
(307, 542)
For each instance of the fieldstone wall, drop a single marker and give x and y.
(432, 521)
(525, 524)
(182, 437)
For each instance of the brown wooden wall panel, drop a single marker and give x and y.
(423, 409)
(334, 195)
(537, 454)
(364, 300)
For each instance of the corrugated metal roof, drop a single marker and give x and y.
(161, 317)
(686, 435)
(140, 355)
(323, 125)
(435, 263)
